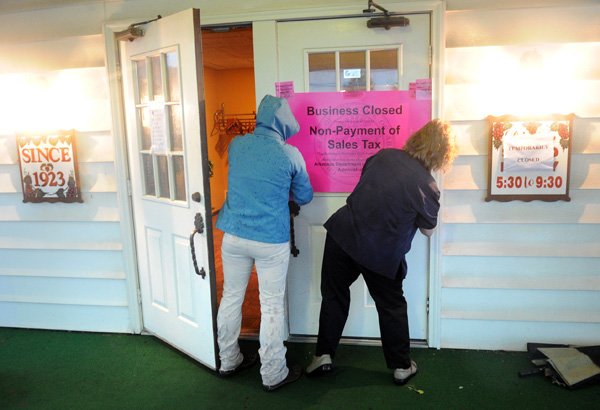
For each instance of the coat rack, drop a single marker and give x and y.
(227, 126)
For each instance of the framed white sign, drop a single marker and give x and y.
(529, 158)
(49, 167)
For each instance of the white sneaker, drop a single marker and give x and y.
(320, 365)
(401, 376)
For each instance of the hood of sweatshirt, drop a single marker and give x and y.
(275, 118)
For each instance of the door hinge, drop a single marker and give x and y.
(129, 187)
(427, 306)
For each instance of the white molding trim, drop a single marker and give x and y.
(438, 18)
(307, 12)
(121, 173)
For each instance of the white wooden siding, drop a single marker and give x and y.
(495, 294)
(62, 264)
(523, 272)
(513, 334)
(518, 272)
(64, 316)
(522, 23)
(100, 264)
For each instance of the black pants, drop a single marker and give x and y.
(339, 271)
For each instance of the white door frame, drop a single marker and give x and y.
(265, 68)
(115, 83)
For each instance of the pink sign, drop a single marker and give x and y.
(339, 131)
(284, 89)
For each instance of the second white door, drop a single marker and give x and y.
(304, 49)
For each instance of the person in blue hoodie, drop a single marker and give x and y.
(265, 173)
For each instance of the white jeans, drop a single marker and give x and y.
(271, 261)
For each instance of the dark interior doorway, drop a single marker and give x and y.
(230, 107)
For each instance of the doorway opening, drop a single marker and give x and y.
(230, 110)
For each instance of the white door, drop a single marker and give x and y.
(310, 53)
(166, 139)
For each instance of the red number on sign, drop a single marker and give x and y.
(49, 178)
(539, 182)
(499, 182)
(61, 178)
(511, 182)
(518, 182)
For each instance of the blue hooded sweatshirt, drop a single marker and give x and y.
(264, 174)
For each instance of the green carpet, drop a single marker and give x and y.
(64, 370)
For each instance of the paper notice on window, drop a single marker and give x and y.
(423, 89)
(284, 89)
(158, 128)
(528, 152)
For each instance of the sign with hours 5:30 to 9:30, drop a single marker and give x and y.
(529, 158)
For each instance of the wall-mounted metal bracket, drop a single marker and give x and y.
(133, 31)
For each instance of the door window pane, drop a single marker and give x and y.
(173, 76)
(353, 70)
(174, 113)
(321, 72)
(179, 173)
(142, 81)
(145, 128)
(163, 176)
(157, 85)
(148, 169)
(384, 70)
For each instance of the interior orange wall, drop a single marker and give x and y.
(235, 89)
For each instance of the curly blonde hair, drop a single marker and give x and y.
(433, 145)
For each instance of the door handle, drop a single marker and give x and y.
(201, 271)
(196, 197)
(198, 228)
(199, 223)
(294, 211)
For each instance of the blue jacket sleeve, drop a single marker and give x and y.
(301, 189)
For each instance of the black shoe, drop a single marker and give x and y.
(293, 375)
(249, 360)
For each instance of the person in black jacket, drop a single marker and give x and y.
(371, 235)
